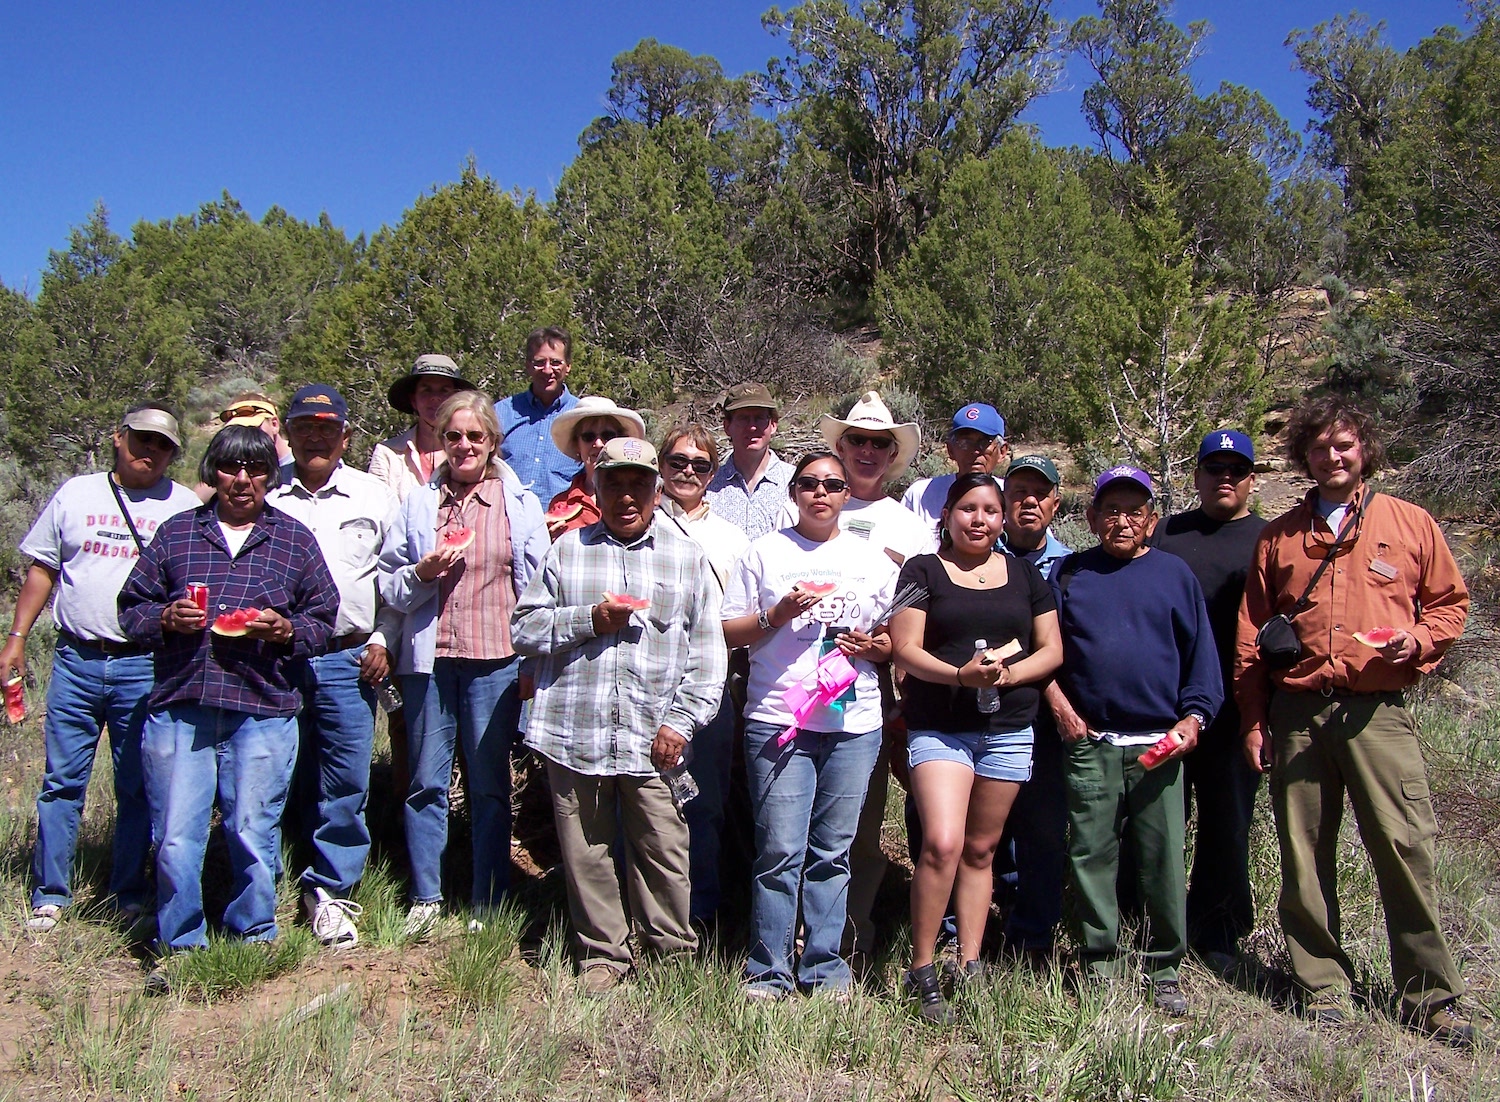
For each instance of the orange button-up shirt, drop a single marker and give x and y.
(1395, 571)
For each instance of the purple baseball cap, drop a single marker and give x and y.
(1123, 473)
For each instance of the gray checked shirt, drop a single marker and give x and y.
(600, 699)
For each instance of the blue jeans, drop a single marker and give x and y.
(192, 753)
(479, 702)
(337, 727)
(89, 690)
(713, 749)
(806, 798)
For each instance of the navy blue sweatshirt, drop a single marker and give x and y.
(1138, 651)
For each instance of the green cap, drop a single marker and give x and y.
(1039, 463)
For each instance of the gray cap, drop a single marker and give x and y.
(153, 419)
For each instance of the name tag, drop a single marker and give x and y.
(1384, 569)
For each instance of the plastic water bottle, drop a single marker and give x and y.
(388, 695)
(680, 782)
(987, 699)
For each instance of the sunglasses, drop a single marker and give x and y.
(473, 436)
(153, 440)
(253, 467)
(245, 411)
(604, 436)
(1237, 471)
(808, 484)
(681, 463)
(879, 443)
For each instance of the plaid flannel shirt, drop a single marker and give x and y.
(279, 567)
(600, 699)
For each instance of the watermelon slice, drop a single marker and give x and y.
(455, 538)
(563, 512)
(235, 624)
(817, 589)
(1003, 651)
(1160, 749)
(1376, 637)
(635, 604)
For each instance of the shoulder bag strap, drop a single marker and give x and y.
(1351, 522)
(120, 500)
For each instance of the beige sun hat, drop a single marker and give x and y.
(871, 414)
(564, 423)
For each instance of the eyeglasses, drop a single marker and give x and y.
(970, 440)
(473, 436)
(245, 411)
(879, 443)
(252, 467)
(680, 462)
(1115, 514)
(1237, 471)
(153, 440)
(808, 484)
(538, 364)
(312, 426)
(604, 436)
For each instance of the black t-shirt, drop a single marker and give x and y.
(1219, 554)
(956, 618)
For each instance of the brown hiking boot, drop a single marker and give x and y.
(1444, 1023)
(600, 980)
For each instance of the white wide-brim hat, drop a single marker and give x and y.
(564, 423)
(870, 414)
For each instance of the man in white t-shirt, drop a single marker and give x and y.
(83, 545)
(350, 514)
(976, 445)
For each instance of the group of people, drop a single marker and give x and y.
(687, 639)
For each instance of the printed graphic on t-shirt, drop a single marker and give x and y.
(112, 538)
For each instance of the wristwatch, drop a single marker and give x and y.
(763, 618)
(1202, 723)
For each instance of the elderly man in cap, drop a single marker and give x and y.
(529, 445)
(623, 618)
(1139, 665)
(976, 445)
(1329, 714)
(84, 544)
(750, 491)
(1217, 540)
(410, 459)
(350, 513)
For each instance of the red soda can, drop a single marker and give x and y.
(15, 701)
(197, 592)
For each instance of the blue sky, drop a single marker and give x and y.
(358, 108)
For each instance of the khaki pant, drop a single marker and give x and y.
(1365, 743)
(656, 864)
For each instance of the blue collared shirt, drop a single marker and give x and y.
(528, 446)
(1053, 551)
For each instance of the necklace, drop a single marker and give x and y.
(976, 572)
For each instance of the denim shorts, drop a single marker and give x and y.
(995, 755)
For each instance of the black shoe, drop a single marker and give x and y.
(1167, 997)
(1329, 1010)
(158, 982)
(922, 986)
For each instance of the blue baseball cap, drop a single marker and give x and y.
(980, 418)
(1123, 473)
(1226, 440)
(320, 401)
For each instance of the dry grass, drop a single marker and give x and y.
(497, 1015)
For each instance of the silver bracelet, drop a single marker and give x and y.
(763, 618)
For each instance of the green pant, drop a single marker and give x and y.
(1106, 788)
(1365, 743)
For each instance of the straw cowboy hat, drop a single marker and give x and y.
(564, 423)
(870, 414)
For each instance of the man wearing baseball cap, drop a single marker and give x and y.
(1217, 540)
(623, 621)
(1139, 664)
(351, 514)
(84, 544)
(750, 490)
(976, 444)
(526, 418)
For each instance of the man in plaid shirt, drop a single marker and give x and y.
(222, 717)
(619, 692)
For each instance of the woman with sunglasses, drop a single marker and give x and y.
(222, 716)
(689, 460)
(462, 552)
(797, 595)
(967, 764)
(580, 433)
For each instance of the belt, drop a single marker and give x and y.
(108, 646)
(349, 642)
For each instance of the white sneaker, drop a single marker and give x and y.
(421, 918)
(43, 917)
(332, 919)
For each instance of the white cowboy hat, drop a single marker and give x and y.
(564, 423)
(871, 414)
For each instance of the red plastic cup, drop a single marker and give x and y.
(197, 592)
(15, 700)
